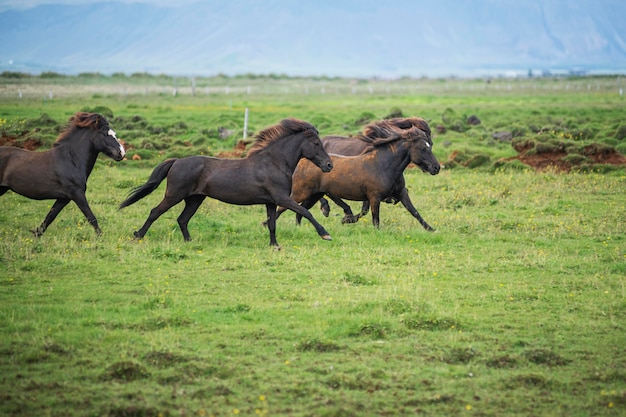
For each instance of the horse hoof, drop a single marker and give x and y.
(277, 248)
(326, 237)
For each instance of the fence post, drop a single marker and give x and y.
(245, 124)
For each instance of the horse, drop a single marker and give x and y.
(264, 176)
(362, 143)
(61, 172)
(371, 176)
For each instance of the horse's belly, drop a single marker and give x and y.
(235, 193)
(347, 185)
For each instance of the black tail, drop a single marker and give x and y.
(157, 176)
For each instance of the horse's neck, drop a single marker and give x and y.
(395, 156)
(80, 152)
(289, 151)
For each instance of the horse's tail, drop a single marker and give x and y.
(157, 176)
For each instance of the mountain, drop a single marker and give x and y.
(333, 38)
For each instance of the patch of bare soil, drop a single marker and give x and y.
(28, 144)
(238, 151)
(557, 160)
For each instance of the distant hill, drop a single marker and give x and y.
(334, 38)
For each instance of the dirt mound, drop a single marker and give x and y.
(561, 160)
(238, 151)
(29, 144)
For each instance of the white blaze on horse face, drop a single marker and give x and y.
(111, 132)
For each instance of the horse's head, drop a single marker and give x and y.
(107, 141)
(313, 149)
(421, 150)
(112, 147)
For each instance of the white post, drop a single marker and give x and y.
(245, 124)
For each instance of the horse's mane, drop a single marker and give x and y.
(93, 121)
(396, 128)
(286, 127)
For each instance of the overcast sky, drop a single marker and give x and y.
(27, 4)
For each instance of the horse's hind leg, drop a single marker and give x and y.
(347, 210)
(192, 203)
(271, 224)
(324, 206)
(3, 190)
(155, 213)
(365, 208)
(52, 214)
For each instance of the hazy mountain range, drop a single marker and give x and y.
(334, 38)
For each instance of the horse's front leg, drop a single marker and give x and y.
(375, 207)
(307, 204)
(404, 198)
(52, 214)
(298, 209)
(81, 202)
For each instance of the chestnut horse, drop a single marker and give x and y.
(61, 173)
(263, 177)
(362, 143)
(371, 176)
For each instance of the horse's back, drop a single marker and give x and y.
(344, 145)
(11, 160)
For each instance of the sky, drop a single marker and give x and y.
(27, 4)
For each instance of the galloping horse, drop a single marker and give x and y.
(371, 176)
(362, 143)
(61, 173)
(263, 177)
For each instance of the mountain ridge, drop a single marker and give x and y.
(413, 38)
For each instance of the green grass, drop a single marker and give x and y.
(516, 303)
(515, 306)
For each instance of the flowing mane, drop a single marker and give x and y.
(394, 129)
(289, 126)
(93, 121)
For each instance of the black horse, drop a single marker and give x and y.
(363, 143)
(61, 173)
(263, 177)
(371, 176)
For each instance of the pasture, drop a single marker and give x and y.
(515, 305)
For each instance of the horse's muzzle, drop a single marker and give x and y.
(326, 167)
(431, 169)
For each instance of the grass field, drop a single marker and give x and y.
(515, 306)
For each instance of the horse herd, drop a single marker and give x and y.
(289, 167)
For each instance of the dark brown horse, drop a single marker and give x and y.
(263, 177)
(363, 143)
(61, 173)
(371, 176)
